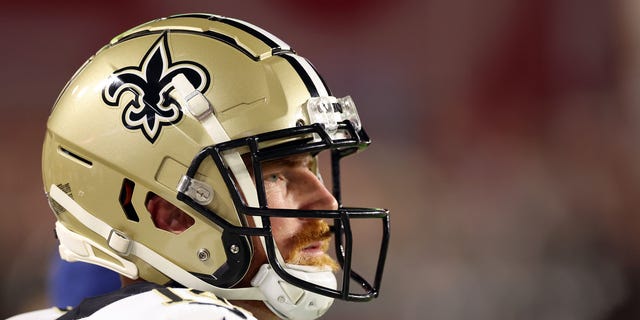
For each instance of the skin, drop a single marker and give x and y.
(290, 183)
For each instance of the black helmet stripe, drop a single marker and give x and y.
(312, 80)
(309, 75)
(269, 39)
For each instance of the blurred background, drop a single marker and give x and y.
(505, 143)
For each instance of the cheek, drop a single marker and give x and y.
(275, 197)
(284, 228)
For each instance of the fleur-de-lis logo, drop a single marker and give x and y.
(151, 106)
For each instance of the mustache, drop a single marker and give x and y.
(312, 233)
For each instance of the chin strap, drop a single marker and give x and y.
(76, 247)
(284, 299)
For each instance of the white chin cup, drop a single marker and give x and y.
(291, 302)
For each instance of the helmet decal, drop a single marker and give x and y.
(151, 106)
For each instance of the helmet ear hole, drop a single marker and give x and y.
(166, 216)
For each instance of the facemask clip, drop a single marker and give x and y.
(200, 191)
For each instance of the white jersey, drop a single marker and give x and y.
(44, 314)
(159, 303)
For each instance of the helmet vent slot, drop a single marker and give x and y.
(126, 193)
(74, 156)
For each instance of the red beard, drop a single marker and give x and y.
(314, 237)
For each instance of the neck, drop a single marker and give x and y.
(124, 281)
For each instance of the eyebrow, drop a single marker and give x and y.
(289, 161)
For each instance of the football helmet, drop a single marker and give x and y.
(187, 108)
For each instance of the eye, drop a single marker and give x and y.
(272, 177)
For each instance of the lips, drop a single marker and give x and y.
(314, 248)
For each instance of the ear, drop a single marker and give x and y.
(166, 216)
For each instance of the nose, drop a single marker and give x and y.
(314, 195)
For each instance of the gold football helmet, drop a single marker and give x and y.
(187, 108)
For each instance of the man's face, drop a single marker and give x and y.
(291, 183)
